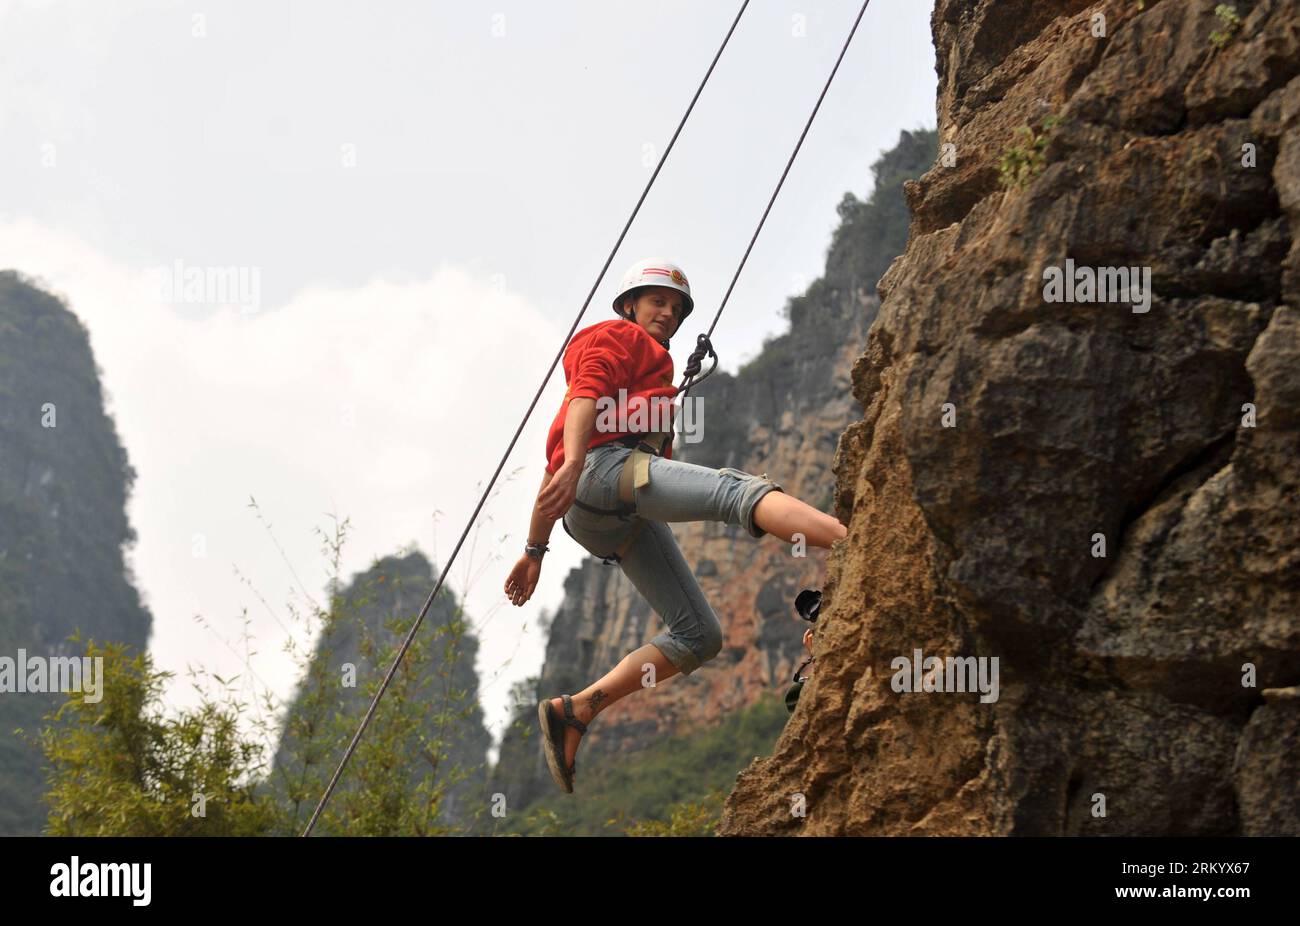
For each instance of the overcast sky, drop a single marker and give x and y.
(419, 196)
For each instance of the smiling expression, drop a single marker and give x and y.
(658, 310)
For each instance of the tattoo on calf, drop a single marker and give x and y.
(594, 702)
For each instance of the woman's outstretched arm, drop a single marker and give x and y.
(557, 497)
(539, 528)
(556, 494)
(522, 580)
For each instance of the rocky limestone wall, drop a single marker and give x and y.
(1120, 675)
(65, 480)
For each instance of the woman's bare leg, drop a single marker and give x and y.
(782, 515)
(626, 677)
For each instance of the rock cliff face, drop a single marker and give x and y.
(64, 484)
(439, 703)
(781, 414)
(1103, 499)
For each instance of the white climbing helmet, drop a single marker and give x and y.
(655, 272)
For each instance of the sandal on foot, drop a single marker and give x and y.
(553, 732)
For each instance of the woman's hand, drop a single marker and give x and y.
(523, 579)
(808, 640)
(554, 500)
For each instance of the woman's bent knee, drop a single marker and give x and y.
(676, 651)
(710, 642)
(707, 643)
(689, 652)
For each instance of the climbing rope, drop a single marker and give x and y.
(546, 379)
(703, 347)
(703, 344)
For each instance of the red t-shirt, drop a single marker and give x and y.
(601, 360)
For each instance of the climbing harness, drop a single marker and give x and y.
(634, 474)
(702, 345)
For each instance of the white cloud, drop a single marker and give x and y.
(382, 403)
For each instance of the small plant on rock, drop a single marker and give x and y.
(1231, 19)
(1025, 160)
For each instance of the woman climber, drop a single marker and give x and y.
(616, 491)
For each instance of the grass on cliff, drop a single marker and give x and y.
(1227, 15)
(1023, 161)
(674, 787)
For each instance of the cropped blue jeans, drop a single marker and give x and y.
(654, 564)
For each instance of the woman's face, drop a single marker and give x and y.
(659, 311)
